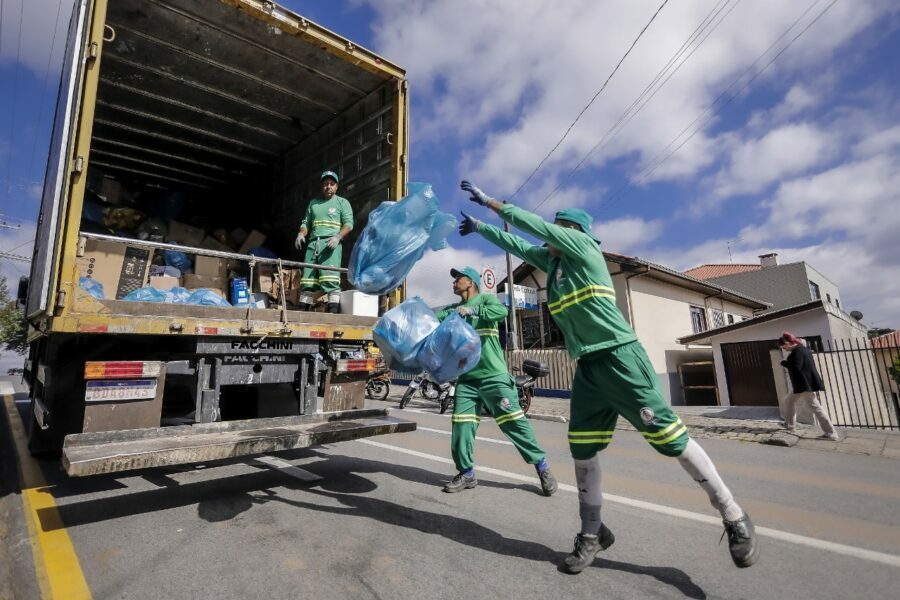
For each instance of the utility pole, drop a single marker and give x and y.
(510, 293)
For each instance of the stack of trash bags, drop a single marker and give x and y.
(411, 339)
(176, 295)
(395, 238)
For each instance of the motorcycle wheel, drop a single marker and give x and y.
(525, 401)
(446, 401)
(378, 390)
(407, 396)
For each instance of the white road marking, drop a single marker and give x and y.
(784, 536)
(7, 389)
(287, 468)
(483, 439)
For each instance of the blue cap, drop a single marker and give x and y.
(331, 174)
(580, 218)
(467, 272)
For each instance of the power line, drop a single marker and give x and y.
(44, 92)
(662, 78)
(588, 105)
(658, 161)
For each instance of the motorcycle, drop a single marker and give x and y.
(378, 385)
(532, 371)
(427, 387)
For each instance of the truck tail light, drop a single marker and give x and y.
(121, 369)
(345, 365)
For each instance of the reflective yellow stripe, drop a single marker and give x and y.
(662, 432)
(487, 332)
(587, 289)
(591, 440)
(678, 433)
(462, 418)
(573, 302)
(329, 277)
(509, 417)
(338, 223)
(589, 433)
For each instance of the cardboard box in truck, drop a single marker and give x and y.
(217, 284)
(185, 234)
(120, 268)
(211, 266)
(254, 239)
(164, 282)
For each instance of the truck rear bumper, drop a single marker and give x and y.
(116, 451)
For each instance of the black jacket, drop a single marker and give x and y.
(802, 369)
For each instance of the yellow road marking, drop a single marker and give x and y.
(56, 565)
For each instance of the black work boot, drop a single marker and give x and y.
(742, 541)
(334, 308)
(460, 482)
(586, 548)
(548, 482)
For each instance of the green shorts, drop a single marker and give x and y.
(621, 381)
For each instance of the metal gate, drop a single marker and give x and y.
(748, 371)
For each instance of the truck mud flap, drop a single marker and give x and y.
(115, 451)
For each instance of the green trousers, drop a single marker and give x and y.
(498, 394)
(318, 252)
(621, 381)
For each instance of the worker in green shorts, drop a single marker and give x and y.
(613, 377)
(488, 384)
(327, 221)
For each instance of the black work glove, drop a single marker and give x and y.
(468, 224)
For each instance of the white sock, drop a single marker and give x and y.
(698, 465)
(590, 495)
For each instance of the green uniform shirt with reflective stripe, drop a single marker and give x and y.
(325, 218)
(580, 293)
(484, 321)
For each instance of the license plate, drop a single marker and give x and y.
(124, 389)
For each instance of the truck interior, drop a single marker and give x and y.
(222, 119)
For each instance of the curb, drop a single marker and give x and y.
(785, 440)
(543, 417)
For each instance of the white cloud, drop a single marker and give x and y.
(430, 278)
(784, 152)
(37, 36)
(507, 77)
(627, 235)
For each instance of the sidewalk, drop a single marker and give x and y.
(745, 424)
(751, 424)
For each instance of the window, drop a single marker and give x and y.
(828, 297)
(837, 302)
(730, 319)
(814, 291)
(698, 319)
(718, 318)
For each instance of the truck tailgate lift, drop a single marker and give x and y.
(115, 451)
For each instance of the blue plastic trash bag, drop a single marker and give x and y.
(92, 287)
(177, 295)
(395, 238)
(147, 294)
(452, 349)
(206, 297)
(262, 252)
(401, 332)
(179, 260)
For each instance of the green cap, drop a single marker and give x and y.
(468, 272)
(580, 218)
(331, 174)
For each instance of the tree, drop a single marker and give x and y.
(13, 327)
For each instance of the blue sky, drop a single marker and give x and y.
(805, 161)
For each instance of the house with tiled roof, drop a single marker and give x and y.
(782, 286)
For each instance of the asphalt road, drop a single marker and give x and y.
(377, 525)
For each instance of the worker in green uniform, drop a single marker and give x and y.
(327, 221)
(488, 384)
(613, 376)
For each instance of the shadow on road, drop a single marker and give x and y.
(344, 482)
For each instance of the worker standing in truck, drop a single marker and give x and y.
(490, 385)
(613, 376)
(327, 221)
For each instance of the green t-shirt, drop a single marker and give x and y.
(325, 218)
(580, 293)
(489, 312)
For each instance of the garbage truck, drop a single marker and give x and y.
(194, 133)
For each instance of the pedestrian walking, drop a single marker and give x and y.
(806, 382)
(613, 375)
